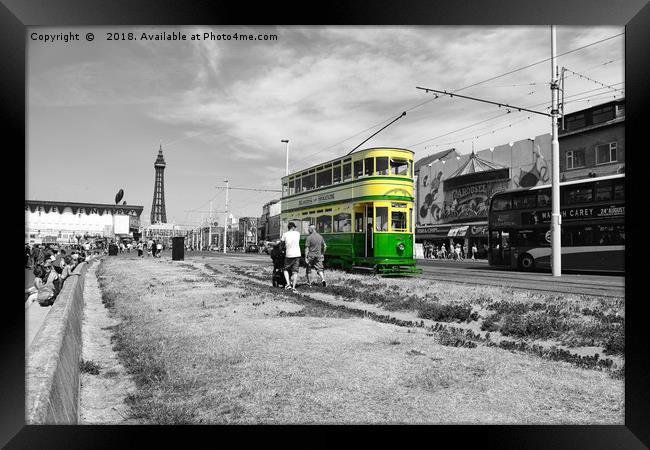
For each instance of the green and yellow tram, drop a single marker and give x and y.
(362, 205)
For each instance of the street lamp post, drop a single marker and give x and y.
(225, 221)
(287, 142)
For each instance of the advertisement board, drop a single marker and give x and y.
(121, 224)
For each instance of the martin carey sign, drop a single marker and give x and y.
(569, 214)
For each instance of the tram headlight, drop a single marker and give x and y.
(401, 246)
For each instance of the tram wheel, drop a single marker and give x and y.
(526, 262)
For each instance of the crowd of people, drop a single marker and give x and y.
(51, 266)
(457, 252)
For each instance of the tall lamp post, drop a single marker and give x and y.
(286, 141)
(556, 221)
(225, 221)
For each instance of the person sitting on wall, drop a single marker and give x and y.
(46, 284)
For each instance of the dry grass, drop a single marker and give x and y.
(207, 347)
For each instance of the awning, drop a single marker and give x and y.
(431, 232)
(458, 231)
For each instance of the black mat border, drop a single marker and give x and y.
(15, 15)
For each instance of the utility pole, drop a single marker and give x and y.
(556, 234)
(287, 142)
(210, 228)
(225, 222)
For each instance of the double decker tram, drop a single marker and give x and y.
(592, 229)
(362, 205)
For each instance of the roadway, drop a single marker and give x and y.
(478, 272)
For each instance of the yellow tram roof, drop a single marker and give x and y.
(340, 158)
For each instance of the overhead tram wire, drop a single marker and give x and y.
(467, 87)
(501, 115)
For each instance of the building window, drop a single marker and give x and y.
(578, 194)
(604, 191)
(603, 114)
(575, 159)
(574, 122)
(606, 153)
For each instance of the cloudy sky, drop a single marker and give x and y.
(98, 111)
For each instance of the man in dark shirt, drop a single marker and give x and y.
(314, 254)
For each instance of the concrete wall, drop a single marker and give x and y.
(52, 362)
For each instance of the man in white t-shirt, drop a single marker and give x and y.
(292, 255)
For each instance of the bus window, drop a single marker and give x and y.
(358, 168)
(398, 167)
(604, 191)
(370, 166)
(343, 223)
(502, 203)
(543, 198)
(524, 201)
(308, 182)
(381, 213)
(291, 188)
(382, 165)
(336, 174)
(619, 190)
(324, 224)
(347, 172)
(398, 220)
(324, 178)
(358, 222)
(578, 194)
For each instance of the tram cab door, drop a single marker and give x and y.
(370, 247)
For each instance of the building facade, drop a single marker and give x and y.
(592, 141)
(248, 227)
(453, 190)
(269, 223)
(71, 222)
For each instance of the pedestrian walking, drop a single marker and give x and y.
(159, 249)
(474, 250)
(291, 239)
(154, 248)
(315, 247)
(140, 249)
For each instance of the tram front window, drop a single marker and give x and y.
(381, 214)
(382, 165)
(398, 222)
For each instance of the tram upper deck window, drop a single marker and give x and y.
(398, 220)
(343, 223)
(324, 224)
(543, 198)
(336, 174)
(370, 166)
(298, 185)
(501, 203)
(347, 171)
(285, 189)
(578, 194)
(524, 201)
(399, 166)
(604, 191)
(619, 190)
(308, 182)
(358, 168)
(291, 187)
(382, 165)
(324, 178)
(381, 215)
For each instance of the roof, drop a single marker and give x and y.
(75, 206)
(476, 165)
(431, 158)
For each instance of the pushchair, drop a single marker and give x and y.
(277, 255)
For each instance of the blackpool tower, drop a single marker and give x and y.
(158, 214)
